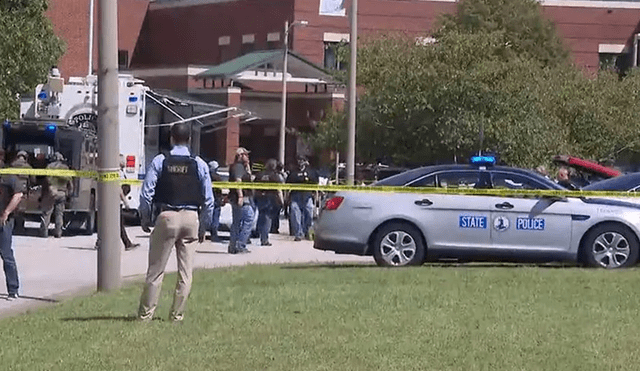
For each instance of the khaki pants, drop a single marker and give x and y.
(172, 228)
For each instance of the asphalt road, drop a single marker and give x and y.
(52, 269)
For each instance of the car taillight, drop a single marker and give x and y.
(131, 162)
(333, 203)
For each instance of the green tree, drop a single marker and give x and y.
(527, 33)
(28, 47)
(497, 79)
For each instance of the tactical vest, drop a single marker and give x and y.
(178, 183)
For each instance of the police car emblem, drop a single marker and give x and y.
(501, 223)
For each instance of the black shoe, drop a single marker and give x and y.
(297, 239)
(244, 251)
(131, 246)
(12, 297)
(266, 244)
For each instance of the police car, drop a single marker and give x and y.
(400, 229)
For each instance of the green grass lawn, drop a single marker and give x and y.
(476, 317)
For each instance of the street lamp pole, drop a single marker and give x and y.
(283, 116)
(351, 136)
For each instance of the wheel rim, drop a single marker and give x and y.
(610, 249)
(398, 248)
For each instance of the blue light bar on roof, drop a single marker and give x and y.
(483, 160)
(51, 128)
(42, 95)
(133, 99)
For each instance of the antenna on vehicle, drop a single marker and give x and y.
(481, 138)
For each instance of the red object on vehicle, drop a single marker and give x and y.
(131, 161)
(586, 165)
(333, 203)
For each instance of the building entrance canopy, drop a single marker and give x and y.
(268, 65)
(182, 107)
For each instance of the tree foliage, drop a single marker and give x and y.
(497, 79)
(28, 48)
(523, 29)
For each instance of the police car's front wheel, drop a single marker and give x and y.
(397, 245)
(610, 246)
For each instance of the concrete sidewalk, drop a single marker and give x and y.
(52, 269)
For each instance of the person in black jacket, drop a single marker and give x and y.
(301, 208)
(267, 200)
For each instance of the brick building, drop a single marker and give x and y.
(173, 43)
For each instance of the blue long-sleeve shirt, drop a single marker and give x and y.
(151, 179)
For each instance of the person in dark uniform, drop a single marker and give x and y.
(301, 208)
(277, 209)
(11, 192)
(177, 187)
(54, 197)
(267, 200)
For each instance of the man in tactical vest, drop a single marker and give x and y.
(54, 197)
(301, 209)
(177, 187)
(267, 200)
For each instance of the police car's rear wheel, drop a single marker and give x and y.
(397, 245)
(610, 246)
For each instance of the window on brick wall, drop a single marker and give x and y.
(608, 60)
(247, 48)
(273, 41)
(335, 54)
(225, 53)
(619, 63)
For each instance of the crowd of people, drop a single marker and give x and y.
(13, 187)
(268, 203)
(178, 201)
(177, 206)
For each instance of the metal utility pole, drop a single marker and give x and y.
(108, 144)
(353, 49)
(283, 116)
(91, 6)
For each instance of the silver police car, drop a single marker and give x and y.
(401, 229)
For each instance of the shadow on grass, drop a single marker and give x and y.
(104, 318)
(474, 265)
(331, 266)
(47, 300)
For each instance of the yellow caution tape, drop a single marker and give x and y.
(112, 176)
(107, 176)
(422, 190)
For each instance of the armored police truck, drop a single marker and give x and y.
(41, 140)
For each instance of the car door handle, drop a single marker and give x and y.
(504, 205)
(423, 202)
